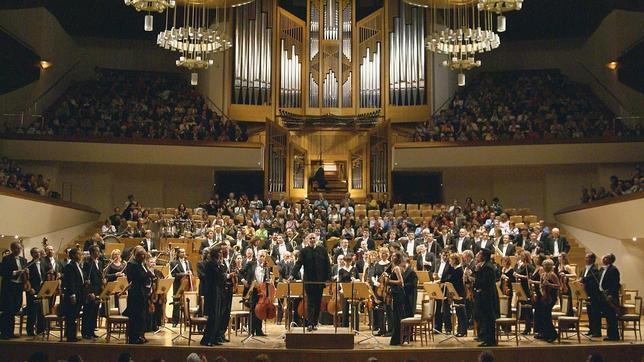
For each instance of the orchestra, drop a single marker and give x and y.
(391, 267)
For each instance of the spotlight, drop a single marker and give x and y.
(44, 64)
(612, 65)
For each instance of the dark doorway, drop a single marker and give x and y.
(249, 182)
(417, 187)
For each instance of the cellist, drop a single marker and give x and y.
(255, 271)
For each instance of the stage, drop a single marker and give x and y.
(160, 346)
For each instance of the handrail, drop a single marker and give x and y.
(132, 141)
(601, 202)
(602, 85)
(4, 191)
(60, 79)
(16, 38)
(438, 144)
(216, 107)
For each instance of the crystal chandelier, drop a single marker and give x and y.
(499, 7)
(197, 30)
(459, 29)
(150, 6)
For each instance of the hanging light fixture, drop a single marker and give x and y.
(459, 30)
(197, 32)
(150, 6)
(500, 7)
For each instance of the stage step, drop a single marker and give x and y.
(297, 339)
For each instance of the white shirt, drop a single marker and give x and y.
(556, 250)
(441, 269)
(183, 265)
(52, 261)
(587, 270)
(505, 249)
(601, 280)
(281, 249)
(459, 247)
(81, 272)
(410, 247)
(424, 260)
(210, 242)
(483, 243)
(259, 274)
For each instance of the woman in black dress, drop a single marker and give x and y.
(396, 286)
(383, 310)
(347, 273)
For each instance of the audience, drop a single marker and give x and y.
(616, 187)
(12, 176)
(129, 104)
(522, 106)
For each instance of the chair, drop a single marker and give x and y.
(192, 322)
(171, 210)
(374, 213)
(516, 219)
(116, 321)
(156, 210)
(528, 219)
(562, 310)
(421, 326)
(398, 212)
(51, 316)
(425, 206)
(628, 298)
(505, 305)
(413, 213)
(510, 211)
(632, 318)
(412, 207)
(399, 206)
(239, 315)
(360, 207)
(566, 323)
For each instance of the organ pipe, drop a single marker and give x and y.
(407, 57)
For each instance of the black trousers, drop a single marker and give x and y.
(136, 311)
(211, 332)
(611, 320)
(538, 316)
(594, 311)
(461, 317)
(34, 315)
(313, 300)
(486, 318)
(10, 305)
(224, 313)
(549, 330)
(71, 312)
(257, 323)
(90, 313)
(527, 315)
(442, 316)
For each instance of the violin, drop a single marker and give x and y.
(265, 309)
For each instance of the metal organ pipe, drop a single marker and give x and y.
(407, 57)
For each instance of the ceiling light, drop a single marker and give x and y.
(634, 238)
(612, 65)
(16, 237)
(44, 64)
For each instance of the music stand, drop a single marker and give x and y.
(108, 291)
(423, 276)
(294, 290)
(453, 295)
(522, 296)
(359, 291)
(109, 247)
(435, 293)
(163, 286)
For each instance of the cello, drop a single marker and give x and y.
(265, 309)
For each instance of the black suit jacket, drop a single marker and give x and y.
(178, 272)
(429, 257)
(316, 264)
(35, 278)
(57, 266)
(610, 284)
(564, 246)
(72, 285)
(8, 266)
(529, 246)
(275, 253)
(92, 274)
(213, 287)
(456, 278)
(489, 245)
(145, 245)
(591, 281)
(371, 245)
(338, 251)
(140, 287)
(467, 244)
(435, 248)
(285, 269)
(510, 251)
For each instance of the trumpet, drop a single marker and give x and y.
(237, 248)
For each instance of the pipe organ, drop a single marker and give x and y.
(330, 57)
(252, 53)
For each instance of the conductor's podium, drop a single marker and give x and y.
(321, 339)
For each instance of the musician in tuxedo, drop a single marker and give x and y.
(506, 247)
(456, 278)
(425, 261)
(208, 242)
(73, 293)
(37, 276)
(462, 242)
(443, 313)
(286, 267)
(11, 292)
(534, 246)
(255, 271)
(432, 245)
(371, 245)
(53, 265)
(178, 269)
(342, 250)
(155, 319)
(522, 272)
(213, 296)
(147, 243)
(92, 271)
(486, 299)
(279, 249)
(609, 280)
(557, 244)
(590, 278)
(140, 279)
(523, 237)
(484, 243)
(317, 268)
(227, 267)
(96, 239)
(292, 239)
(408, 244)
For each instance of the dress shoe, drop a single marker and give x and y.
(315, 327)
(459, 335)
(216, 343)
(94, 335)
(613, 339)
(309, 329)
(483, 345)
(87, 337)
(207, 344)
(550, 340)
(388, 334)
(539, 336)
(73, 339)
(224, 340)
(260, 334)
(138, 341)
(526, 332)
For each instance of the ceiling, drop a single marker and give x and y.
(539, 19)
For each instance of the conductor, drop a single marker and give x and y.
(316, 269)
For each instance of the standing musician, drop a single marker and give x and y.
(590, 278)
(535, 292)
(462, 243)
(609, 280)
(443, 313)
(115, 269)
(73, 293)
(92, 272)
(11, 270)
(469, 265)
(227, 268)
(286, 266)
(410, 287)
(140, 279)
(396, 285)
(456, 278)
(486, 300)
(317, 268)
(37, 276)
(425, 260)
(347, 273)
(179, 268)
(549, 291)
(565, 272)
(255, 271)
(507, 278)
(279, 249)
(54, 267)
(213, 296)
(155, 316)
(147, 243)
(522, 272)
(383, 315)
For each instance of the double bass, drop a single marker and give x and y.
(265, 309)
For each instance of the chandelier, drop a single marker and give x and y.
(459, 29)
(499, 7)
(149, 6)
(197, 31)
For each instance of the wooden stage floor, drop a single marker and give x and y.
(161, 346)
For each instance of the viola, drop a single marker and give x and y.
(265, 309)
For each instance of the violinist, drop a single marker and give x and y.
(214, 281)
(54, 266)
(507, 278)
(383, 315)
(456, 278)
(469, 266)
(228, 270)
(73, 283)
(148, 244)
(396, 283)
(92, 271)
(179, 268)
(12, 285)
(116, 267)
(522, 272)
(37, 276)
(140, 279)
(565, 273)
(155, 313)
(347, 273)
(255, 271)
(443, 312)
(549, 291)
(535, 292)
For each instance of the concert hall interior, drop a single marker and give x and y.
(307, 180)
